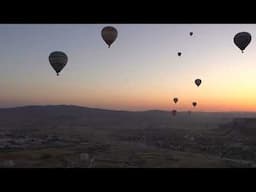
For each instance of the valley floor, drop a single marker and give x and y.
(151, 148)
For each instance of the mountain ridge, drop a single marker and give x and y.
(65, 106)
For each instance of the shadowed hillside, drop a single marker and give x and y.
(82, 116)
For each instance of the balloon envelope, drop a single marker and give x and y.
(242, 40)
(198, 82)
(194, 104)
(179, 53)
(191, 33)
(175, 100)
(58, 60)
(109, 35)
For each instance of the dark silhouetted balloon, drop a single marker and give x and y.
(58, 60)
(198, 82)
(194, 104)
(242, 40)
(175, 100)
(174, 112)
(179, 54)
(109, 35)
(191, 33)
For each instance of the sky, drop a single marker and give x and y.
(141, 70)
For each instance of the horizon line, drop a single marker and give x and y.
(108, 109)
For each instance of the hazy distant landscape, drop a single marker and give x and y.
(71, 136)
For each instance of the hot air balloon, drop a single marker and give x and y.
(198, 82)
(109, 35)
(194, 104)
(174, 112)
(179, 54)
(175, 100)
(58, 60)
(191, 33)
(242, 40)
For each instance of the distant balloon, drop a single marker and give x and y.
(242, 40)
(175, 100)
(174, 112)
(191, 33)
(198, 82)
(179, 54)
(109, 35)
(194, 104)
(58, 61)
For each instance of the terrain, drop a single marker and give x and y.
(67, 136)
